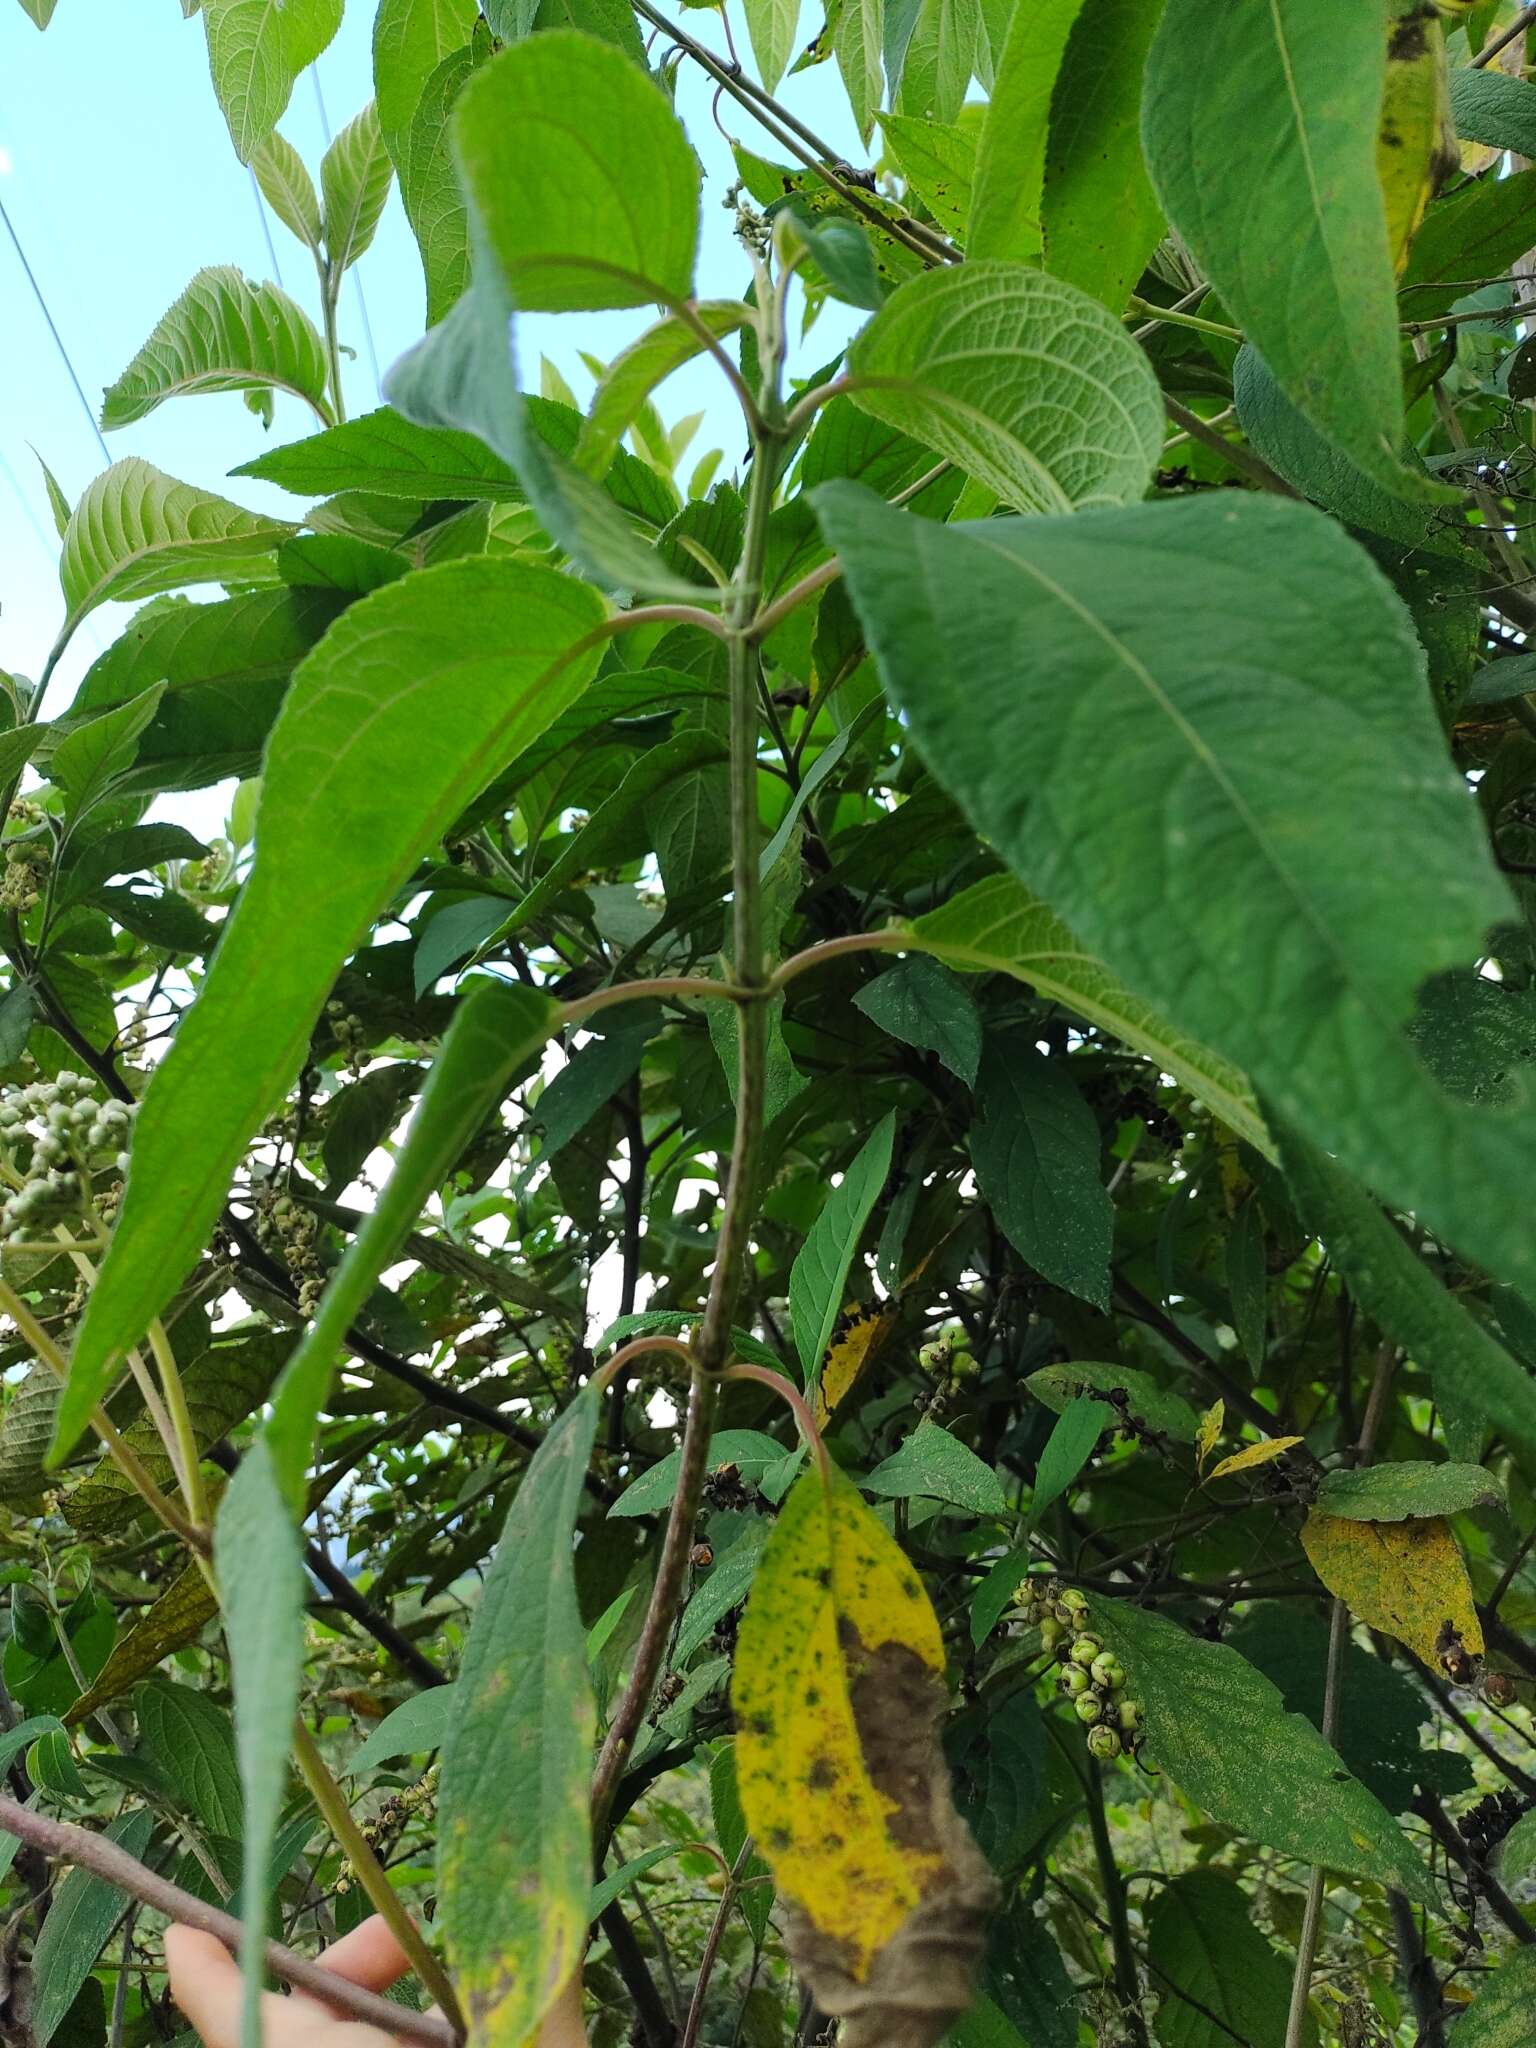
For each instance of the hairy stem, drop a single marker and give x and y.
(64, 1842)
(1312, 1912)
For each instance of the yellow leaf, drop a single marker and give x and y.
(1415, 139)
(1405, 1578)
(838, 1693)
(1251, 1455)
(847, 1357)
(1208, 1436)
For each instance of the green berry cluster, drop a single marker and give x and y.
(350, 1034)
(948, 1362)
(292, 1231)
(1092, 1678)
(57, 1135)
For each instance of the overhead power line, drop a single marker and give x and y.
(58, 340)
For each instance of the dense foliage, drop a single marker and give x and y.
(977, 961)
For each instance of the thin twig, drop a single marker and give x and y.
(66, 1843)
(1491, 50)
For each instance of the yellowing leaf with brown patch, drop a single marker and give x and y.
(1208, 1436)
(1405, 1578)
(838, 1695)
(1251, 1455)
(848, 1358)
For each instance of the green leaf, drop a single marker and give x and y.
(1472, 1372)
(137, 531)
(632, 376)
(840, 250)
(723, 1587)
(1168, 1413)
(1222, 1733)
(731, 1834)
(1518, 1859)
(856, 42)
(747, 1449)
(1260, 133)
(90, 758)
(1099, 215)
(411, 1730)
(592, 1076)
(1035, 1146)
(1475, 233)
(288, 188)
(222, 334)
(923, 1004)
(496, 1028)
(429, 185)
(1406, 1492)
(1011, 155)
(1246, 1281)
(1067, 1450)
(996, 1590)
(385, 453)
(459, 667)
(1218, 1978)
(191, 1740)
(1500, 2015)
(263, 1591)
(820, 1270)
(1489, 106)
(1025, 383)
(130, 851)
(558, 201)
(256, 51)
(619, 1881)
(930, 53)
(410, 39)
(938, 164)
(355, 176)
(1174, 787)
(514, 1868)
(39, 12)
(933, 1464)
(771, 24)
(84, 1911)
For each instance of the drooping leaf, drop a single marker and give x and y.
(820, 1270)
(1412, 141)
(1022, 381)
(136, 531)
(935, 1464)
(1407, 1492)
(496, 1029)
(1222, 1733)
(355, 177)
(1035, 1147)
(1219, 1978)
(1405, 1578)
(1145, 1401)
(998, 927)
(177, 1618)
(255, 52)
(1067, 1450)
(514, 1846)
(771, 25)
(82, 1915)
(1182, 786)
(222, 334)
(837, 1695)
(262, 1590)
(462, 665)
(1010, 157)
(1260, 132)
(922, 1004)
(1098, 213)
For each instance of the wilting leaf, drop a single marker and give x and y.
(1253, 1455)
(821, 1268)
(934, 1463)
(1405, 1578)
(848, 1356)
(1400, 1493)
(1221, 1731)
(838, 1693)
(514, 1847)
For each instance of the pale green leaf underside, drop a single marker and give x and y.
(355, 177)
(1022, 381)
(418, 696)
(288, 188)
(256, 50)
(222, 334)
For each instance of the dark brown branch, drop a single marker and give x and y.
(69, 1844)
(1418, 1974)
(1480, 1881)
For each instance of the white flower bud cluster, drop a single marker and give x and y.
(58, 1134)
(1091, 1676)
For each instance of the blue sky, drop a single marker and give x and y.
(118, 178)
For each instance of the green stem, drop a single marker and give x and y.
(1127, 1979)
(330, 288)
(189, 1459)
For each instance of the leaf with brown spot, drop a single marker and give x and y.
(1405, 1578)
(848, 1358)
(1251, 1455)
(838, 1694)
